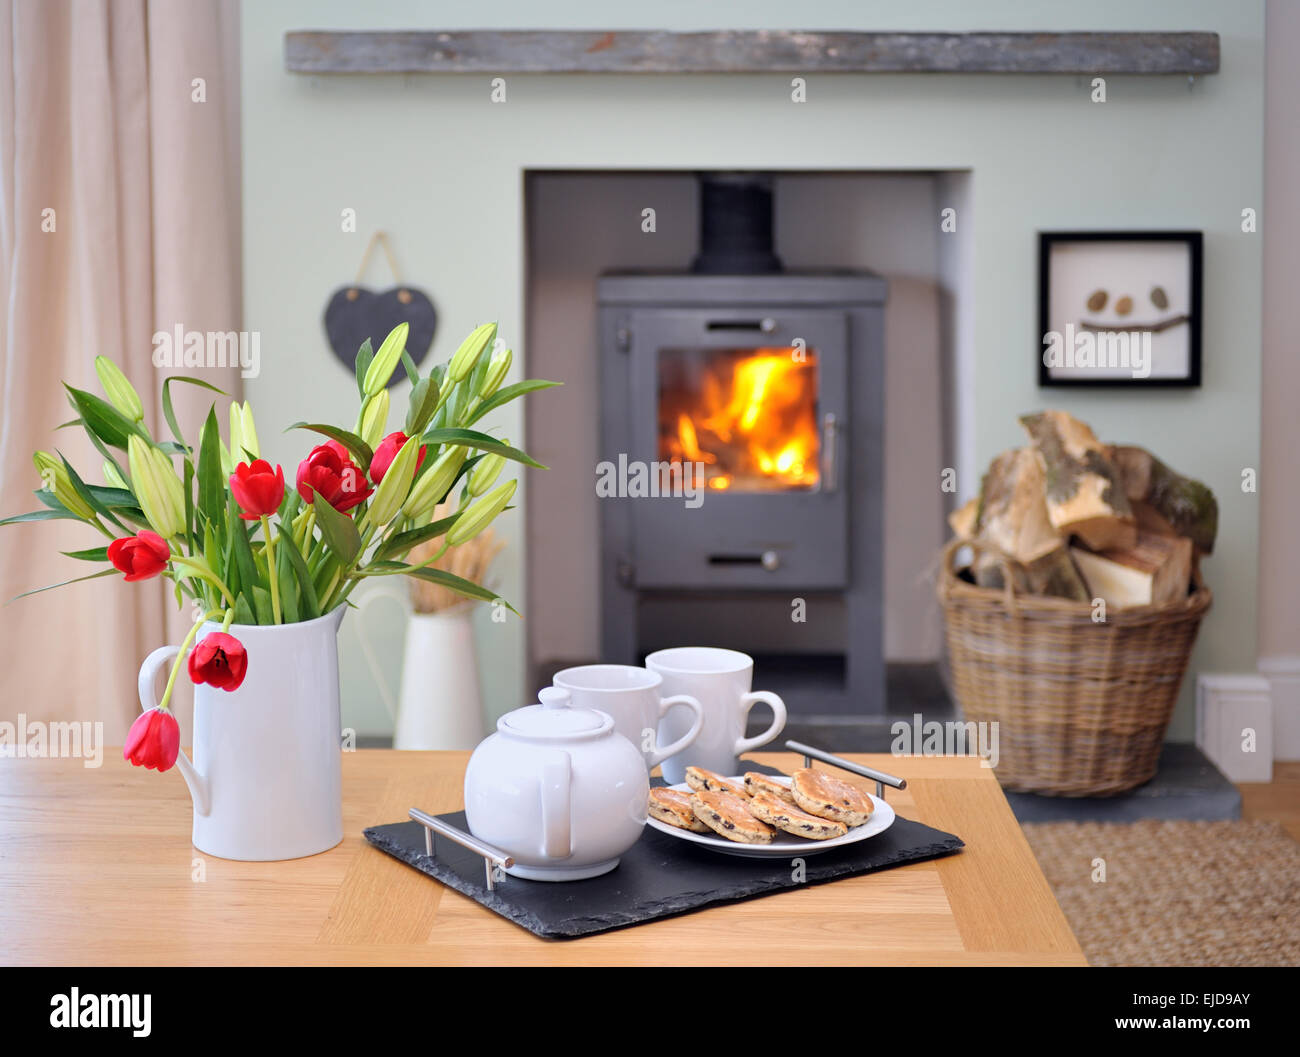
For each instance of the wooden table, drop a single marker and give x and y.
(96, 868)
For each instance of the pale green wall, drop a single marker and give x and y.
(433, 161)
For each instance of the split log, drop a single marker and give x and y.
(1084, 495)
(963, 521)
(1050, 574)
(1012, 515)
(1157, 569)
(1187, 506)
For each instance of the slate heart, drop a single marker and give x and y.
(355, 314)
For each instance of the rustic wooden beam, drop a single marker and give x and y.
(745, 51)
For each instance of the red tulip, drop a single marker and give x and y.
(154, 740)
(141, 556)
(387, 452)
(329, 470)
(257, 489)
(219, 660)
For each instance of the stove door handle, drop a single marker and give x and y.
(829, 429)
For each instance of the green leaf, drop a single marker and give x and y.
(291, 505)
(102, 419)
(84, 493)
(504, 396)
(460, 585)
(339, 531)
(170, 414)
(310, 604)
(287, 581)
(231, 566)
(189, 502)
(473, 439)
(408, 364)
(238, 529)
(55, 513)
(93, 554)
(365, 356)
(114, 498)
(402, 542)
(243, 611)
(262, 604)
(212, 484)
(424, 401)
(351, 441)
(76, 580)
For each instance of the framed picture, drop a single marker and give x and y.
(1119, 308)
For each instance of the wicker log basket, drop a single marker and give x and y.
(1081, 706)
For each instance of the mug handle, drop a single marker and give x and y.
(777, 706)
(659, 755)
(153, 664)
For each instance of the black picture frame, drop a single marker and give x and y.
(1194, 241)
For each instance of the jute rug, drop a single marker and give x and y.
(1175, 893)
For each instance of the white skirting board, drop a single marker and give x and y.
(1234, 724)
(1283, 675)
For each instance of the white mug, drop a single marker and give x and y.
(631, 696)
(721, 680)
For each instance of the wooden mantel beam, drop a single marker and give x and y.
(745, 51)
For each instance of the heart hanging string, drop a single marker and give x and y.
(355, 313)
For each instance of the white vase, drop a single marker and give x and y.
(266, 776)
(439, 703)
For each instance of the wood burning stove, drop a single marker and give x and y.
(753, 404)
(740, 476)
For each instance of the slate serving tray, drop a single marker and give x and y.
(658, 877)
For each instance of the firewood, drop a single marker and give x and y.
(1157, 569)
(1052, 574)
(963, 521)
(1188, 506)
(1084, 495)
(1012, 515)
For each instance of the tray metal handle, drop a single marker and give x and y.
(492, 856)
(879, 777)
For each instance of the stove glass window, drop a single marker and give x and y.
(746, 419)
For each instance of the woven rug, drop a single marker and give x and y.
(1175, 893)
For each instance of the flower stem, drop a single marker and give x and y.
(270, 569)
(185, 648)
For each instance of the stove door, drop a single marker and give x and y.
(742, 418)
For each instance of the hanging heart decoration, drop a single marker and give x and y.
(355, 313)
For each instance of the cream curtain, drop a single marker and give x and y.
(119, 218)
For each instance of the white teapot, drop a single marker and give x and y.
(559, 789)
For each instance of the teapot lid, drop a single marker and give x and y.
(555, 717)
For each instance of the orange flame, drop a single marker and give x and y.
(752, 422)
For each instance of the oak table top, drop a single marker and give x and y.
(96, 868)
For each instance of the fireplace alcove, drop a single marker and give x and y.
(821, 619)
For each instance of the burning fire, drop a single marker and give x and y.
(750, 419)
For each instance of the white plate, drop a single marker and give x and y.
(785, 844)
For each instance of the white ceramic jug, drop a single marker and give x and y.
(559, 789)
(439, 702)
(266, 776)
